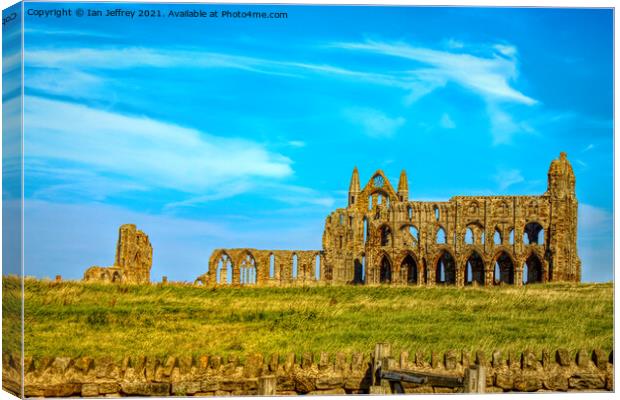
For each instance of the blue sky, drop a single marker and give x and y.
(243, 132)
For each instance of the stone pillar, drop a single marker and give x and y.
(223, 274)
(488, 276)
(518, 276)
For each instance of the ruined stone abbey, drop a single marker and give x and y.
(132, 264)
(384, 237)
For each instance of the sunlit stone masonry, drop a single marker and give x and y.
(133, 261)
(384, 237)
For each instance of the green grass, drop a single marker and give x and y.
(73, 319)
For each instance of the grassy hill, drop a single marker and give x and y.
(72, 318)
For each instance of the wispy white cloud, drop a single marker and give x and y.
(589, 147)
(507, 177)
(285, 193)
(374, 123)
(490, 77)
(157, 154)
(446, 122)
(503, 125)
(297, 143)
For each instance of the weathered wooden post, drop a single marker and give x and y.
(267, 385)
(382, 352)
(475, 379)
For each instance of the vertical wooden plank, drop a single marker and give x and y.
(267, 385)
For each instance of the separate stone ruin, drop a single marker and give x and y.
(383, 237)
(309, 374)
(132, 264)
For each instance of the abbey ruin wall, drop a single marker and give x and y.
(382, 237)
(133, 260)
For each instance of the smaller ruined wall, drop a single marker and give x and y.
(133, 260)
(310, 374)
(268, 267)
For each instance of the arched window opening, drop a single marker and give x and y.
(436, 210)
(272, 266)
(247, 270)
(341, 219)
(524, 277)
(474, 269)
(410, 268)
(350, 221)
(379, 199)
(295, 266)
(534, 269)
(469, 236)
(413, 231)
(504, 267)
(386, 236)
(409, 213)
(385, 274)
(363, 269)
(445, 270)
(497, 274)
(223, 272)
(482, 238)
(116, 277)
(511, 237)
(358, 271)
(497, 237)
(533, 233)
(365, 230)
(441, 236)
(370, 202)
(317, 267)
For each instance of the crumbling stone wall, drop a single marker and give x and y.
(263, 267)
(132, 264)
(383, 237)
(321, 373)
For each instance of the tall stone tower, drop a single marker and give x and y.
(134, 254)
(403, 187)
(565, 264)
(354, 187)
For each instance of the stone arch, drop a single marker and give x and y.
(223, 268)
(441, 236)
(468, 238)
(409, 269)
(272, 265)
(533, 233)
(317, 266)
(503, 268)
(477, 230)
(359, 270)
(498, 238)
(294, 266)
(385, 235)
(385, 269)
(248, 269)
(445, 268)
(533, 269)
(410, 234)
(473, 269)
(117, 277)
